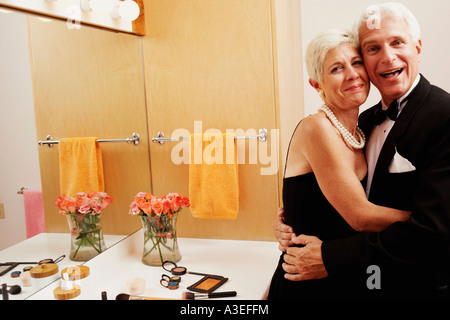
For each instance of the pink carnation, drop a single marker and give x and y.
(134, 209)
(85, 208)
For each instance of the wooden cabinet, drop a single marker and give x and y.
(212, 62)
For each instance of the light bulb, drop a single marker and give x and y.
(85, 5)
(100, 6)
(128, 10)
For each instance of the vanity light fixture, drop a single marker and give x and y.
(127, 10)
(101, 6)
(85, 5)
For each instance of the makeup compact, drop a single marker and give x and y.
(207, 284)
(171, 279)
(15, 274)
(170, 283)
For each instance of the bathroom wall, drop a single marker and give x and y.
(19, 164)
(213, 62)
(319, 15)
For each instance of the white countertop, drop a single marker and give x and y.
(39, 247)
(248, 265)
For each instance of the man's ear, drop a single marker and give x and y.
(419, 49)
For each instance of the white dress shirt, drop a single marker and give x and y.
(379, 134)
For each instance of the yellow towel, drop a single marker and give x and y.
(213, 182)
(80, 166)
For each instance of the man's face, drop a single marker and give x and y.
(391, 57)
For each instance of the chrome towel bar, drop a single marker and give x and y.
(134, 139)
(262, 137)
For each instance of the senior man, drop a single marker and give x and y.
(408, 157)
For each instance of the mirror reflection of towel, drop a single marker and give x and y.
(213, 176)
(80, 166)
(34, 212)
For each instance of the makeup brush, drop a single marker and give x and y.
(194, 296)
(124, 296)
(15, 289)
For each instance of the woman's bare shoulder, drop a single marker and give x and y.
(314, 126)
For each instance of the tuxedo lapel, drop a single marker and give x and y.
(415, 101)
(366, 121)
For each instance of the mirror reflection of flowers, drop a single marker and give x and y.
(158, 216)
(84, 210)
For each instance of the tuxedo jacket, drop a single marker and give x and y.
(412, 256)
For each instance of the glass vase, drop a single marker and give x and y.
(160, 239)
(86, 236)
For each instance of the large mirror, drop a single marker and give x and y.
(66, 82)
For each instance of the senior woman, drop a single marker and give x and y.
(323, 185)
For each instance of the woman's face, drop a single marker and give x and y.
(344, 81)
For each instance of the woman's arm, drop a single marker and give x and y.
(334, 169)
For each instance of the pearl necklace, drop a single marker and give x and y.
(349, 139)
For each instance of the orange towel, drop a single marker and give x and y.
(213, 176)
(80, 166)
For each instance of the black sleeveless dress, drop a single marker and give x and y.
(308, 212)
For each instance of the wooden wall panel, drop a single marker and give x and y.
(212, 61)
(89, 82)
(289, 75)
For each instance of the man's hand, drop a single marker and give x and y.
(282, 232)
(304, 263)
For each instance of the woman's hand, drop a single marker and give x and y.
(282, 232)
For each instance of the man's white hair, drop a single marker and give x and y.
(373, 16)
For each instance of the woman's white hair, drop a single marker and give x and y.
(372, 17)
(319, 47)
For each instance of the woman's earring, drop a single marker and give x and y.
(322, 94)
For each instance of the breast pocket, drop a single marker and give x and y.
(400, 164)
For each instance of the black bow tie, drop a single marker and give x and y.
(391, 113)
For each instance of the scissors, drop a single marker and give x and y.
(179, 270)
